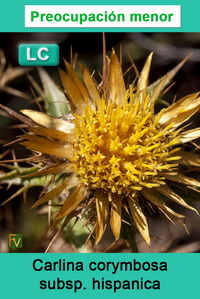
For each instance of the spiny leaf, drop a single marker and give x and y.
(139, 218)
(144, 75)
(173, 196)
(73, 200)
(65, 185)
(115, 215)
(48, 121)
(116, 86)
(102, 207)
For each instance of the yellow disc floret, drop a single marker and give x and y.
(123, 148)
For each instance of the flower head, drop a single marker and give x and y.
(114, 150)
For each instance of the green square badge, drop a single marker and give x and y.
(15, 240)
(38, 54)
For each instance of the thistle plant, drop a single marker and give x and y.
(112, 157)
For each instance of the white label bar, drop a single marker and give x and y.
(102, 16)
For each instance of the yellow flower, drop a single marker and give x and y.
(114, 150)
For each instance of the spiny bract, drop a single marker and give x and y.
(118, 152)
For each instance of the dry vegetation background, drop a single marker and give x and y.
(169, 49)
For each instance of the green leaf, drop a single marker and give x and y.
(55, 101)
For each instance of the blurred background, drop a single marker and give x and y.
(16, 92)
